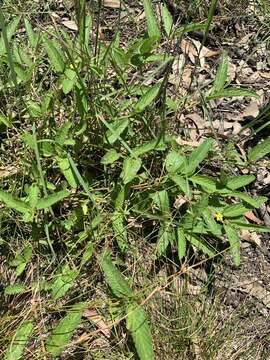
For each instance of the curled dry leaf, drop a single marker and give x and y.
(194, 49)
(250, 216)
(250, 237)
(179, 201)
(70, 24)
(265, 75)
(95, 318)
(114, 4)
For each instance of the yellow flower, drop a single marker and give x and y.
(219, 216)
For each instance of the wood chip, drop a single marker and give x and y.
(114, 4)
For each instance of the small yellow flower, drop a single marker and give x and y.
(219, 216)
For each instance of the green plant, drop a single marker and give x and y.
(95, 151)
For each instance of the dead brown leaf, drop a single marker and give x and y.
(251, 110)
(265, 75)
(95, 318)
(70, 24)
(8, 171)
(250, 216)
(179, 201)
(250, 237)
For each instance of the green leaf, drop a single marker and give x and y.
(161, 200)
(235, 210)
(200, 244)
(138, 325)
(16, 347)
(131, 166)
(120, 230)
(221, 75)
(198, 155)
(231, 92)
(237, 182)
(56, 58)
(182, 183)
(152, 25)
(174, 161)
(10, 30)
(110, 157)
(234, 243)
(255, 202)
(167, 19)
(62, 133)
(212, 225)
(88, 252)
(52, 199)
(165, 236)
(204, 181)
(33, 195)
(259, 151)
(66, 169)
(181, 243)
(32, 36)
(14, 289)
(114, 278)
(116, 130)
(63, 282)
(5, 120)
(156, 144)
(69, 80)
(257, 228)
(14, 203)
(147, 98)
(62, 333)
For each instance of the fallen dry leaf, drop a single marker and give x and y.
(204, 51)
(95, 318)
(179, 201)
(251, 110)
(250, 216)
(250, 237)
(114, 4)
(197, 119)
(265, 75)
(70, 24)
(8, 171)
